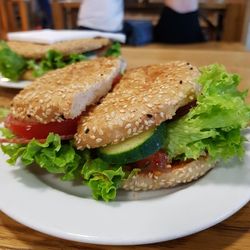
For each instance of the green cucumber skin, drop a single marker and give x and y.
(153, 144)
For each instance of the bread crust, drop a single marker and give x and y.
(144, 98)
(65, 93)
(175, 175)
(37, 51)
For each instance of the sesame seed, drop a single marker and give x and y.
(149, 105)
(128, 125)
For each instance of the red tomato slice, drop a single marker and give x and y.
(117, 79)
(156, 162)
(18, 140)
(29, 130)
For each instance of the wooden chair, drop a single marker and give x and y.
(9, 21)
(64, 13)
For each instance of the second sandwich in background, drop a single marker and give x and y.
(27, 61)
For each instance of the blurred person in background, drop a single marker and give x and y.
(43, 14)
(179, 23)
(104, 15)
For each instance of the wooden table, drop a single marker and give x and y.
(232, 234)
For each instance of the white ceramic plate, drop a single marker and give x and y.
(45, 204)
(6, 83)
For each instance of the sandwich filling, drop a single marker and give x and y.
(210, 128)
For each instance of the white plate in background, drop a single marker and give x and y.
(6, 83)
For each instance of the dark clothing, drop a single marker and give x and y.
(138, 32)
(176, 28)
(46, 15)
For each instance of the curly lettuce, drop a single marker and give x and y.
(114, 50)
(214, 125)
(12, 65)
(53, 60)
(59, 157)
(102, 179)
(53, 155)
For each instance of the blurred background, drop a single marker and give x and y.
(223, 22)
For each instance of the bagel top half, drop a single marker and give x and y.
(38, 51)
(145, 97)
(65, 93)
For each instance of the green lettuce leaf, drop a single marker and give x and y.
(102, 179)
(53, 60)
(114, 50)
(214, 125)
(73, 58)
(12, 65)
(14, 151)
(53, 155)
(3, 112)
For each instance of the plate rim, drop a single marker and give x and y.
(91, 240)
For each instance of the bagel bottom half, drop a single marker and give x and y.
(183, 172)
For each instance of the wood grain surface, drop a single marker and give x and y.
(232, 234)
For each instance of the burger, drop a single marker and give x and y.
(160, 126)
(27, 61)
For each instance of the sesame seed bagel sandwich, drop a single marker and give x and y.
(27, 61)
(159, 126)
(162, 125)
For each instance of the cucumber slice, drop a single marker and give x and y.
(135, 148)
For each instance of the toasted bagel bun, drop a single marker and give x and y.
(37, 51)
(183, 172)
(65, 93)
(144, 98)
